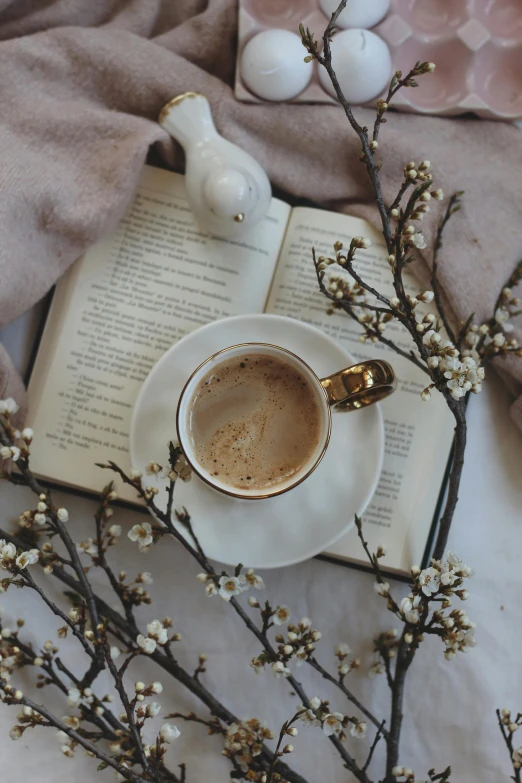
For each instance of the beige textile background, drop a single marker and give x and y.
(82, 83)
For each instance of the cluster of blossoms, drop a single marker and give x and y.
(42, 514)
(143, 535)
(492, 338)
(345, 290)
(27, 718)
(441, 581)
(420, 176)
(461, 374)
(229, 586)
(10, 657)
(512, 723)
(243, 743)
(385, 646)
(12, 560)
(134, 593)
(404, 773)
(179, 469)
(298, 645)
(157, 634)
(318, 714)
(20, 441)
(345, 665)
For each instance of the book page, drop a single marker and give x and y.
(120, 308)
(418, 434)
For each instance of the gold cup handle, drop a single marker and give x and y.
(360, 385)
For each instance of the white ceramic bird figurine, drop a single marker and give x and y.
(227, 189)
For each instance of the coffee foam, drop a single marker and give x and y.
(254, 422)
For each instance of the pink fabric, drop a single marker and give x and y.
(83, 82)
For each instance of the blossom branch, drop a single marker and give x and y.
(452, 207)
(508, 725)
(349, 695)
(29, 582)
(260, 635)
(378, 735)
(55, 722)
(287, 729)
(129, 631)
(129, 710)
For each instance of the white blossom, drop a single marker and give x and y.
(282, 615)
(156, 687)
(115, 652)
(332, 723)
(88, 546)
(359, 729)
(63, 515)
(72, 721)
(253, 580)
(343, 649)
(156, 630)
(153, 709)
(429, 579)
(381, 588)
(145, 644)
(40, 518)
(115, 531)
(517, 758)
(143, 535)
(73, 697)
(409, 606)
(431, 337)
(418, 240)
(308, 717)
(28, 558)
(8, 406)
(145, 578)
(10, 452)
(16, 732)
(7, 553)
(211, 589)
(229, 586)
(169, 732)
(280, 669)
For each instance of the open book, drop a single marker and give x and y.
(132, 295)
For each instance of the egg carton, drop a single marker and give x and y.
(475, 44)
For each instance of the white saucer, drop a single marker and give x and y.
(276, 531)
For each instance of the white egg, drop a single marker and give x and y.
(272, 65)
(358, 13)
(362, 63)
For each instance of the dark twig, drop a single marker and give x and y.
(378, 735)
(81, 740)
(282, 735)
(508, 739)
(129, 711)
(349, 695)
(453, 206)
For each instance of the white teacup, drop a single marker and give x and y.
(352, 388)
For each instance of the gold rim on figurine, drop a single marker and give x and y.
(175, 101)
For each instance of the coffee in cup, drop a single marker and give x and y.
(254, 420)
